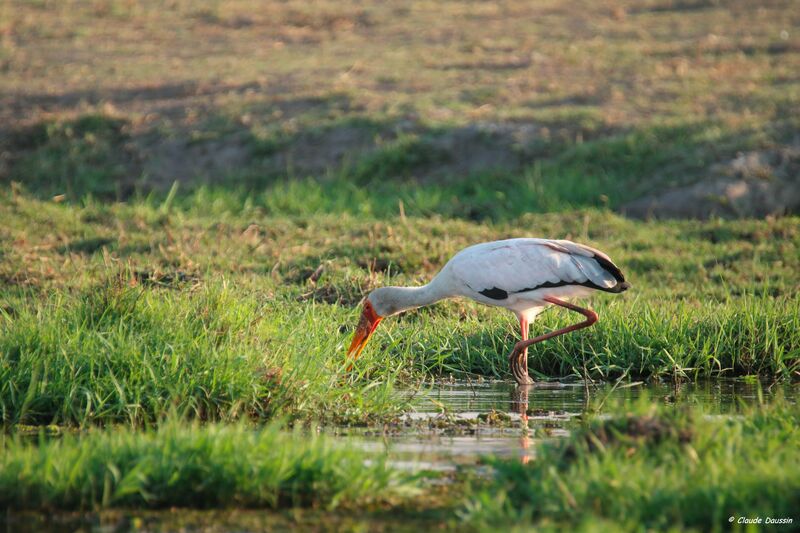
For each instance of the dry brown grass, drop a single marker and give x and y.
(626, 63)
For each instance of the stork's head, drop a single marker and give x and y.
(382, 302)
(366, 326)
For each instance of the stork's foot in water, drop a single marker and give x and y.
(518, 361)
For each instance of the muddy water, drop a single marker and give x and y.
(454, 424)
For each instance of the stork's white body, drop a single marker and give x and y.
(516, 274)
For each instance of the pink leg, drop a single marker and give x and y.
(522, 346)
(518, 360)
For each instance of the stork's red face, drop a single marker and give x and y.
(369, 321)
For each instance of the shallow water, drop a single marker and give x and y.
(447, 427)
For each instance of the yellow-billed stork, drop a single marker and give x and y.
(522, 275)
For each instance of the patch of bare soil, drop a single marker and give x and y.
(486, 146)
(315, 153)
(162, 143)
(754, 184)
(458, 151)
(178, 159)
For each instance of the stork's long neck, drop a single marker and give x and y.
(398, 299)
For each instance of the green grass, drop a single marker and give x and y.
(122, 354)
(647, 465)
(206, 306)
(191, 466)
(127, 355)
(653, 468)
(742, 336)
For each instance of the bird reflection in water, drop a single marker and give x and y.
(519, 404)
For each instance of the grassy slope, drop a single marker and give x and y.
(623, 98)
